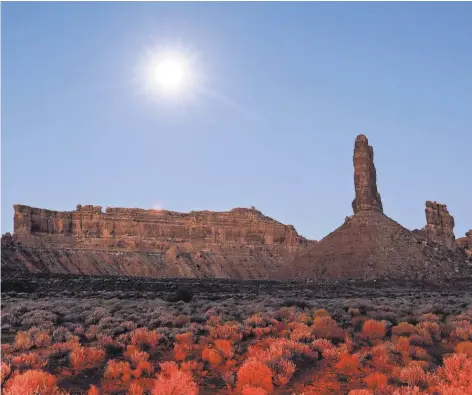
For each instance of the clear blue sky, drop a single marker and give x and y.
(293, 84)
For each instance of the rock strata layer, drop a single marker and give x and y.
(125, 229)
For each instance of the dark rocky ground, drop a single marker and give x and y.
(43, 284)
(381, 297)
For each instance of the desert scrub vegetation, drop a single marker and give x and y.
(244, 341)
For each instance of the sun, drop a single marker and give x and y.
(170, 74)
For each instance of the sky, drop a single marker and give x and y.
(282, 91)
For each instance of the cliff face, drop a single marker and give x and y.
(150, 230)
(439, 225)
(241, 243)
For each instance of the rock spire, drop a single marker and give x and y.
(365, 178)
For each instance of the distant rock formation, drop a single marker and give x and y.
(239, 244)
(365, 178)
(371, 245)
(466, 243)
(7, 240)
(439, 225)
(129, 229)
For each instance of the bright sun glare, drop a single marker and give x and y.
(171, 74)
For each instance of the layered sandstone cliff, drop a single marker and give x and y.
(241, 243)
(150, 230)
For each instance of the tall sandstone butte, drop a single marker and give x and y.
(371, 245)
(439, 227)
(365, 177)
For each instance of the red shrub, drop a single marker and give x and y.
(420, 353)
(6, 369)
(23, 341)
(93, 390)
(413, 374)
(382, 356)
(212, 356)
(135, 356)
(376, 380)
(464, 348)
(250, 390)
(429, 332)
(135, 389)
(86, 357)
(92, 332)
(429, 317)
(184, 338)
(226, 331)
(287, 313)
(117, 370)
(285, 370)
(327, 328)
(255, 320)
(108, 341)
(462, 330)
(300, 331)
(42, 339)
(259, 333)
(182, 351)
(321, 313)
(348, 365)
(373, 330)
(30, 360)
(326, 348)
(143, 367)
(143, 336)
(256, 374)
(413, 391)
(225, 347)
(403, 329)
(456, 372)
(32, 382)
(324, 383)
(402, 345)
(174, 381)
(6, 349)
